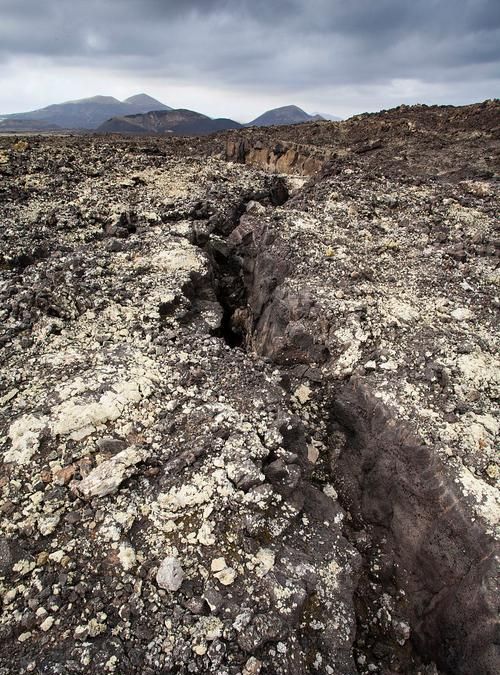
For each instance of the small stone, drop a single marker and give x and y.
(462, 314)
(226, 576)
(47, 624)
(64, 475)
(47, 525)
(127, 557)
(211, 627)
(312, 454)
(213, 599)
(200, 649)
(303, 394)
(170, 574)
(6, 555)
(96, 627)
(255, 208)
(9, 596)
(492, 471)
(252, 667)
(42, 558)
(24, 636)
(265, 558)
(108, 476)
(80, 632)
(218, 564)
(205, 536)
(371, 365)
(57, 556)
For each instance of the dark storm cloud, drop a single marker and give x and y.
(290, 44)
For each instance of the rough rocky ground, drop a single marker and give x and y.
(249, 421)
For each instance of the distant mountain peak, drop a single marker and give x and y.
(287, 114)
(289, 108)
(180, 122)
(327, 116)
(143, 99)
(104, 100)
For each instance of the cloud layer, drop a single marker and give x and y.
(341, 55)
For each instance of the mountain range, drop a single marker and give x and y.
(89, 113)
(139, 114)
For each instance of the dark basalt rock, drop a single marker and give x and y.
(444, 562)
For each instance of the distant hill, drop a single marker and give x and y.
(328, 117)
(289, 114)
(146, 103)
(23, 125)
(89, 113)
(174, 122)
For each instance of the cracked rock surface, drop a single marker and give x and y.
(248, 422)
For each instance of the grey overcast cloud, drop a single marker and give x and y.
(237, 58)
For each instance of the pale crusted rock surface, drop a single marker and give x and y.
(170, 574)
(248, 423)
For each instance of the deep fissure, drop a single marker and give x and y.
(229, 290)
(227, 279)
(381, 561)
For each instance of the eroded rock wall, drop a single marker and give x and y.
(288, 158)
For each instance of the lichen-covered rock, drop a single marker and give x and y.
(108, 476)
(170, 574)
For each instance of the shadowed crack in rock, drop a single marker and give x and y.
(444, 562)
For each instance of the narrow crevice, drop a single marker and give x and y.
(420, 594)
(229, 289)
(226, 330)
(405, 517)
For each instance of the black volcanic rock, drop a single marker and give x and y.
(173, 122)
(289, 114)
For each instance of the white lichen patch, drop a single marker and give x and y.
(396, 309)
(486, 498)
(24, 434)
(176, 258)
(78, 416)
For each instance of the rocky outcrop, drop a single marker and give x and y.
(275, 317)
(288, 157)
(425, 141)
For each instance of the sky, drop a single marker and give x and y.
(237, 58)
